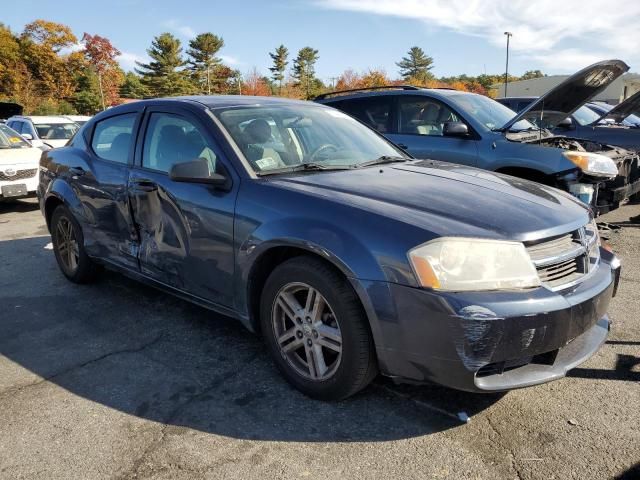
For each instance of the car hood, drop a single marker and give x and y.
(450, 199)
(622, 110)
(564, 99)
(55, 143)
(20, 156)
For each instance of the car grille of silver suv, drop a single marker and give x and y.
(566, 260)
(20, 174)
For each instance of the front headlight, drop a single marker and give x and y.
(466, 264)
(593, 163)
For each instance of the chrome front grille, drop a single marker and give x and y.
(19, 175)
(565, 260)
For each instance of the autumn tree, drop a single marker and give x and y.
(203, 60)
(54, 73)
(416, 65)
(280, 62)
(10, 62)
(101, 55)
(164, 75)
(255, 84)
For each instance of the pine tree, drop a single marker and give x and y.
(164, 76)
(203, 60)
(304, 69)
(416, 65)
(280, 63)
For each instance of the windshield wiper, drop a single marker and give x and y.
(304, 167)
(381, 160)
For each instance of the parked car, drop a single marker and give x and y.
(18, 165)
(615, 115)
(593, 121)
(347, 255)
(79, 119)
(474, 130)
(44, 132)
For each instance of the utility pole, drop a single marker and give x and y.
(506, 70)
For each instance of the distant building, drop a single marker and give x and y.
(621, 88)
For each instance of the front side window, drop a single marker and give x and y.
(56, 131)
(173, 139)
(423, 116)
(113, 137)
(288, 136)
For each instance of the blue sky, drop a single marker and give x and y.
(463, 36)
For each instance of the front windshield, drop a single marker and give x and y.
(11, 139)
(585, 116)
(56, 131)
(490, 113)
(274, 137)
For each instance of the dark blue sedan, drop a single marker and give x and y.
(348, 256)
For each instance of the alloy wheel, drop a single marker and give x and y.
(307, 331)
(67, 244)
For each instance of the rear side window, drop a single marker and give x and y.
(112, 137)
(373, 111)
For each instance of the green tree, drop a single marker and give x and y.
(132, 86)
(203, 60)
(280, 62)
(529, 74)
(304, 70)
(416, 65)
(164, 75)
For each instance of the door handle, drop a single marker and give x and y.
(144, 186)
(76, 171)
(402, 146)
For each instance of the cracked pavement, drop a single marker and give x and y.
(118, 380)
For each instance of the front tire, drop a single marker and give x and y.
(68, 246)
(316, 330)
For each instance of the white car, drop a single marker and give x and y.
(19, 164)
(79, 119)
(44, 132)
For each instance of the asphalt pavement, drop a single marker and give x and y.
(118, 380)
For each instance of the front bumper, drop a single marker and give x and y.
(30, 183)
(490, 341)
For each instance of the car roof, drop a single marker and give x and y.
(43, 118)
(223, 101)
(432, 92)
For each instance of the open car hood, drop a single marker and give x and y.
(622, 110)
(564, 99)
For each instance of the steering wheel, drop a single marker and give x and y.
(322, 148)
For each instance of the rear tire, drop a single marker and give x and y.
(316, 330)
(68, 247)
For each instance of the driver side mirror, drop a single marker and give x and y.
(27, 136)
(196, 171)
(455, 129)
(567, 123)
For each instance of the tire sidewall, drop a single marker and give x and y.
(344, 375)
(83, 261)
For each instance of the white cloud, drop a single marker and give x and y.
(127, 60)
(76, 47)
(230, 60)
(184, 30)
(542, 29)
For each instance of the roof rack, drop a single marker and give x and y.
(385, 87)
